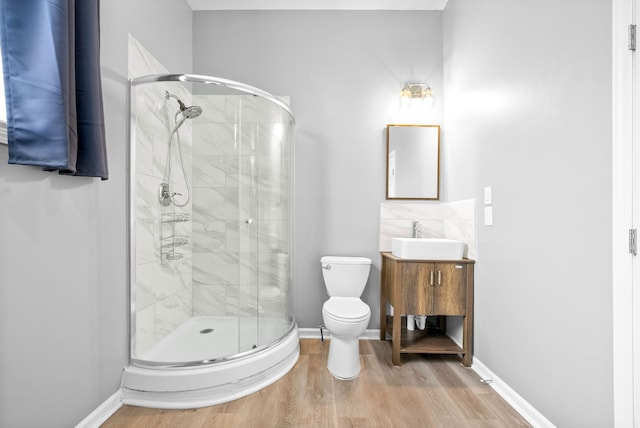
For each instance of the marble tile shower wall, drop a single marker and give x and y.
(237, 163)
(452, 220)
(163, 290)
(241, 209)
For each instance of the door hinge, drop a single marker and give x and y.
(633, 241)
(632, 37)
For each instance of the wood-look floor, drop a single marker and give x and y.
(426, 391)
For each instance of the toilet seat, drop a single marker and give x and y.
(346, 309)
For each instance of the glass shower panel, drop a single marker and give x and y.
(248, 223)
(211, 271)
(274, 228)
(220, 211)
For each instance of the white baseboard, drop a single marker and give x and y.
(102, 412)
(314, 333)
(113, 403)
(519, 404)
(522, 406)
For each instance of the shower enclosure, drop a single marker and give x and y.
(210, 237)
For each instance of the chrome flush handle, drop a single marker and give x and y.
(326, 266)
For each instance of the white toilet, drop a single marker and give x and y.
(344, 314)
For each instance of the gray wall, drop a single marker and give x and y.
(63, 255)
(528, 111)
(522, 116)
(343, 72)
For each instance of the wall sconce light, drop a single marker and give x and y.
(416, 94)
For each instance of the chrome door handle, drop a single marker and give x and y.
(439, 278)
(431, 278)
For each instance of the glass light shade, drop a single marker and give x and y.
(416, 91)
(405, 100)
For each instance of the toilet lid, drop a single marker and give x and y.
(338, 260)
(347, 309)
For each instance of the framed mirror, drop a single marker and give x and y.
(413, 162)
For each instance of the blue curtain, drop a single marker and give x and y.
(53, 89)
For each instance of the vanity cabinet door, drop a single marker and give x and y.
(434, 288)
(417, 297)
(449, 292)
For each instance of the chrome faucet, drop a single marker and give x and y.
(416, 230)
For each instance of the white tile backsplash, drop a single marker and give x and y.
(451, 220)
(428, 211)
(460, 210)
(395, 211)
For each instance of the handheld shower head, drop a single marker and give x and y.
(190, 112)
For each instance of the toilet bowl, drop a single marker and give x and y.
(346, 318)
(344, 314)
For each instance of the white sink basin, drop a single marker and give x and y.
(427, 248)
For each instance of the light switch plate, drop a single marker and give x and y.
(488, 216)
(488, 195)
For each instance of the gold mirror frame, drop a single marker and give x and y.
(413, 162)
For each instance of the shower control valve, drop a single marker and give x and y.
(164, 195)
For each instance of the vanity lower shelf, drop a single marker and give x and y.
(428, 341)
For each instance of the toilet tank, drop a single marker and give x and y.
(345, 276)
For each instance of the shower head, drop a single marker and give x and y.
(190, 112)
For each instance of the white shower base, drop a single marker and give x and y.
(220, 381)
(230, 336)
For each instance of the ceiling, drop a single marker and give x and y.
(317, 4)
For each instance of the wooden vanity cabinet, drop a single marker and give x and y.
(425, 287)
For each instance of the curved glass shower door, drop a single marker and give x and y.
(211, 224)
